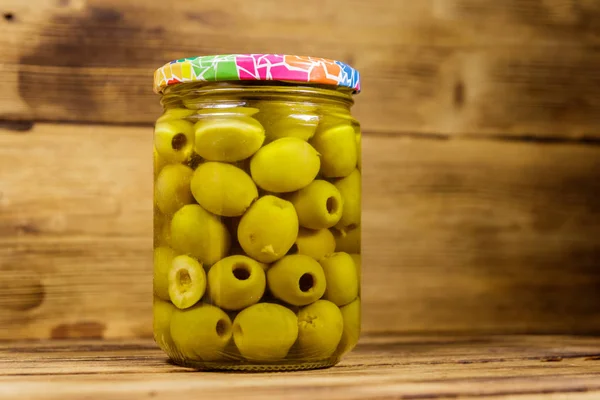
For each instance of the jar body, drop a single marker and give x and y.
(257, 214)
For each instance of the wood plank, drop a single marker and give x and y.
(458, 67)
(75, 232)
(505, 233)
(382, 367)
(459, 235)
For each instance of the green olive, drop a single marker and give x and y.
(285, 165)
(315, 243)
(296, 279)
(157, 226)
(197, 232)
(347, 241)
(320, 328)
(162, 312)
(162, 229)
(351, 315)
(358, 152)
(337, 146)
(342, 279)
(172, 188)
(165, 233)
(174, 114)
(201, 332)
(265, 332)
(268, 229)
(187, 282)
(228, 139)
(319, 205)
(159, 162)
(236, 282)
(349, 188)
(282, 119)
(163, 259)
(174, 140)
(357, 263)
(223, 189)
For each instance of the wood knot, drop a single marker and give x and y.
(17, 126)
(20, 290)
(459, 94)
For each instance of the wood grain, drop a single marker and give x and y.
(457, 67)
(75, 232)
(382, 367)
(459, 235)
(484, 235)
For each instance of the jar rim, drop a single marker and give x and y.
(257, 67)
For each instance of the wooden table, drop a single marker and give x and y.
(382, 367)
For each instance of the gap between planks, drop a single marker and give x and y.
(20, 125)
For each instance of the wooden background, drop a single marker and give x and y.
(481, 149)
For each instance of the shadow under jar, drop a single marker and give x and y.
(257, 215)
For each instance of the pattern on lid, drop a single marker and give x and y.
(264, 67)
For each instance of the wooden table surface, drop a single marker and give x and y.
(382, 367)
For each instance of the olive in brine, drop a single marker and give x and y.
(265, 331)
(236, 282)
(342, 278)
(187, 281)
(351, 333)
(282, 119)
(175, 114)
(268, 229)
(197, 232)
(285, 165)
(358, 264)
(163, 259)
(162, 312)
(172, 188)
(157, 226)
(319, 205)
(296, 279)
(159, 162)
(174, 140)
(349, 187)
(201, 332)
(228, 139)
(320, 328)
(358, 152)
(347, 240)
(164, 238)
(315, 243)
(337, 145)
(162, 229)
(223, 189)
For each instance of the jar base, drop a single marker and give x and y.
(237, 366)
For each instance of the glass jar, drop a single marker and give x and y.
(256, 212)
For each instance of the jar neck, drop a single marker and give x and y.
(237, 93)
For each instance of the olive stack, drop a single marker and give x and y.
(257, 234)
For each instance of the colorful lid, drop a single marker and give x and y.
(260, 67)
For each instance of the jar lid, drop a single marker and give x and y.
(260, 67)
